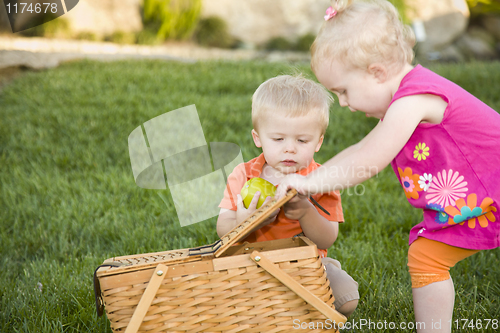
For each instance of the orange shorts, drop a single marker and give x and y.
(430, 261)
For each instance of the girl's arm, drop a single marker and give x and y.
(374, 152)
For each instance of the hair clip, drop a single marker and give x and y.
(330, 12)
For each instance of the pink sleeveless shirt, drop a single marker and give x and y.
(451, 170)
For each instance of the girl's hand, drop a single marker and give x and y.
(295, 181)
(243, 213)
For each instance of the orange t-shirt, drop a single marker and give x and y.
(282, 227)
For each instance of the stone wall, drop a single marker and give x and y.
(104, 17)
(445, 32)
(100, 17)
(444, 20)
(257, 21)
(442, 26)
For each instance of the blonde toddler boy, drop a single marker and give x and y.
(290, 115)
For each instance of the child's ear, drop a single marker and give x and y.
(256, 138)
(318, 146)
(379, 71)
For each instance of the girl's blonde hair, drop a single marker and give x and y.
(293, 96)
(363, 33)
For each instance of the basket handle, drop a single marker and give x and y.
(147, 298)
(297, 288)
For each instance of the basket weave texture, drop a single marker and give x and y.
(251, 287)
(244, 299)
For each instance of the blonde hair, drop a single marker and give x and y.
(293, 96)
(363, 33)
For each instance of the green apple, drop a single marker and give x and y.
(257, 184)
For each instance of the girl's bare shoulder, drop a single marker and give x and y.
(430, 108)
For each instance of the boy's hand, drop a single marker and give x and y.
(297, 207)
(295, 181)
(243, 213)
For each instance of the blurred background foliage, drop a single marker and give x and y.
(49, 27)
(213, 31)
(401, 7)
(479, 7)
(172, 19)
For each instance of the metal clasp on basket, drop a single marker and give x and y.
(205, 249)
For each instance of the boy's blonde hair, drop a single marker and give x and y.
(293, 96)
(364, 33)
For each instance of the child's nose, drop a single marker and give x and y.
(343, 102)
(290, 147)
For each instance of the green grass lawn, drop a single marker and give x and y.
(68, 198)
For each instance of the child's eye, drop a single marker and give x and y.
(302, 141)
(278, 139)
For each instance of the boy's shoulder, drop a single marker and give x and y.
(253, 168)
(250, 169)
(310, 168)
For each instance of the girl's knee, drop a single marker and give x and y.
(430, 261)
(419, 280)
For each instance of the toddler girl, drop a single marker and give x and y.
(442, 142)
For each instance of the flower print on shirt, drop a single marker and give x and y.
(470, 212)
(409, 180)
(425, 181)
(446, 188)
(441, 216)
(421, 151)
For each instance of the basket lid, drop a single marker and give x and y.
(242, 230)
(117, 265)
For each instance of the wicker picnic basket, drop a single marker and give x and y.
(272, 286)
